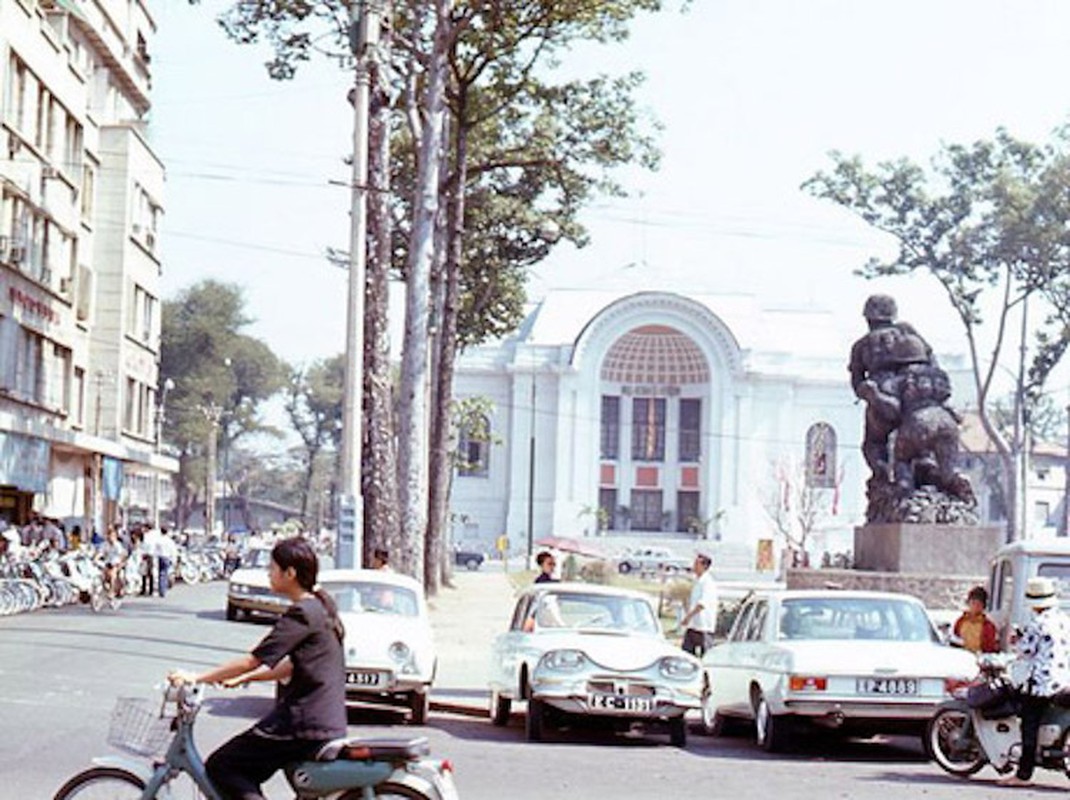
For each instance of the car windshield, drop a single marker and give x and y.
(595, 611)
(827, 618)
(374, 598)
(257, 558)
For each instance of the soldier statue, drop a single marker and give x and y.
(906, 392)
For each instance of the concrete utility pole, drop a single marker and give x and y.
(364, 36)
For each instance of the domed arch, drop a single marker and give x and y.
(692, 320)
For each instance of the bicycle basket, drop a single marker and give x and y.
(137, 727)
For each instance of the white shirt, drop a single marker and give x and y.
(704, 593)
(166, 548)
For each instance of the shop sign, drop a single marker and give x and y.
(24, 462)
(30, 306)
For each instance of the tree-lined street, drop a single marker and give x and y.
(63, 669)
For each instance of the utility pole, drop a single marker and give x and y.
(1066, 479)
(364, 36)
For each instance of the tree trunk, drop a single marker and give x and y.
(412, 411)
(438, 564)
(379, 462)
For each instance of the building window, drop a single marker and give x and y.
(610, 426)
(78, 400)
(690, 429)
(821, 456)
(473, 449)
(648, 429)
(130, 408)
(607, 508)
(688, 517)
(646, 510)
(1042, 512)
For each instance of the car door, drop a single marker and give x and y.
(725, 667)
(506, 656)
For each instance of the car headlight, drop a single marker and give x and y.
(400, 652)
(239, 588)
(678, 667)
(563, 660)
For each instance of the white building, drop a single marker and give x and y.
(80, 199)
(680, 416)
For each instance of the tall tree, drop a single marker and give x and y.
(212, 364)
(991, 222)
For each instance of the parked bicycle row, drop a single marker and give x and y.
(42, 577)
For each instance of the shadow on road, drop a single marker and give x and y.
(815, 746)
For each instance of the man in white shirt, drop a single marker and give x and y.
(167, 555)
(700, 621)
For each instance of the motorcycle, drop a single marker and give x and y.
(980, 725)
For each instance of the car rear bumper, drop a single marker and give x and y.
(258, 603)
(845, 709)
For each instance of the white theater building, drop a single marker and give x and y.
(680, 416)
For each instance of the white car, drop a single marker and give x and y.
(860, 662)
(389, 649)
(581, 650)
(249, 590)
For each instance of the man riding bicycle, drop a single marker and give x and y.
(113, 555)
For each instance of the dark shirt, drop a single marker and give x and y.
(312, 706)
(545, 577)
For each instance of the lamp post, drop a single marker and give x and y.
(531, 472)
(161, 417)
(212, 412)
(364, 21)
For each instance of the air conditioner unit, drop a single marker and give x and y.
(150, 240)
(49, 173)
(16, 253)
(65, 286)
(136, 229)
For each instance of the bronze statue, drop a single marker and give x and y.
(893, 369)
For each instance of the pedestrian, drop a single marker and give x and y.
(1043, 650)
(976, 632)
(231, 556)
(305, 646)
(700, 621)
(150, 552)
(166, 556)
(113, 556)
(547, 563)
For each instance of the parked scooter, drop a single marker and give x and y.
(980, 726)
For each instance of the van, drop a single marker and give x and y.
(1012, 566)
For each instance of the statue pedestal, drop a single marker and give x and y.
(926, 549)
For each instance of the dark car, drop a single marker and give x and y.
(470, 559)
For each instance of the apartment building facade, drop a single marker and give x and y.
(80, 202)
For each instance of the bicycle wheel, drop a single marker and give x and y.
(102, 783)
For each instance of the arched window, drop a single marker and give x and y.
(473, 448)
(821, 456)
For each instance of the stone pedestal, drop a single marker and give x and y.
(926, 549)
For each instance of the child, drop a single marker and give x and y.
(976, 631)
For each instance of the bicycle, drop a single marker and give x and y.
(345, 769)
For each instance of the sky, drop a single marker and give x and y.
(752, 94)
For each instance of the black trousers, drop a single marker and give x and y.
(240, 766)
(697, 642)
(1030, 712)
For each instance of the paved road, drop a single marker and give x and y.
(61, 671)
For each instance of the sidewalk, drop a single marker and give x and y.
(465, 621)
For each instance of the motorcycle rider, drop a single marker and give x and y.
(1043, 650)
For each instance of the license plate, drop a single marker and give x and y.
(620, 702)
(365, 678)
(896, 686)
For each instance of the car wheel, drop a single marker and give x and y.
(472, 564)
(499, 708)
(624, 568)
(771, 729)
(232, 612)
(950, 741)
(678, 731)
(419, 705)
(536, 720)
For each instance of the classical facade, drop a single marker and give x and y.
(660, 414)
(80, 203)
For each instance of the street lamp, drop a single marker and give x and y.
(212, 412)
(161, 416)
